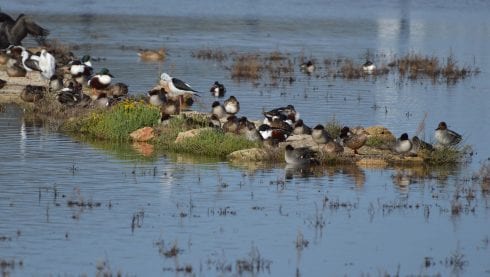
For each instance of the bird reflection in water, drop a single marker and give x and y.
(352, 171)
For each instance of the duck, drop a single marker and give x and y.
(353, 141)
(55, 83)
(214, 121)
(218, 89)
(446, 137)
(418, 144)
(320, 135)
(80, 71)
(250, 132)
(218, 110)
(307, 67)
(281, 122)
(152, 55)
(14, 69)
(231, 124)
(272, 135)
(30, 61)
(102, 101)
(157, 97)
(100, 81)
(369, 67)
(2, 83)
(12, 32)
(68, 96)
(170, 107)
(332, 147)
(299, 128)
(403, 144)
(232, 106)
(117, 90)
(299, 156)
(32, 93)
(289, 112)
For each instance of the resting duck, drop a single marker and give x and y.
(157, 97)
(218, 90)
(403, 144)
(418, 144)
(170, 107)
(32, 93)
(272, 135)
(289, 112)
(100, 81)
(320, 135)
(218, 110)
(368, 67)
(152, 55)
(299, 128)
(446, 137)
(231, 124)
(81, 70)
(308, 67)
(232, 106)
(117, 90)
(299, 156)
(353, 141)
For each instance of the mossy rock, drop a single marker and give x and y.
(250, 155)
(380, 133)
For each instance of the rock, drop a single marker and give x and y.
(300, 141)
(249, 155)
(190, 134)
(380, 132)
(372, 163)
(143, 134)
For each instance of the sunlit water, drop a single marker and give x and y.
(355, 220)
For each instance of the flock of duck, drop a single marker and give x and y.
(172, 95)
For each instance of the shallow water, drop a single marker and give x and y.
(217, 213)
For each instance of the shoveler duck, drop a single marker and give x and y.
(69, 95)
(15, 69)
(157, 97)
(80, 71)
(12, 32)
(232, 106)
(320, 135)
(307, 67)
(100, 81)
(2, 83)
(299, 156)
(272, 135)
(32, 93)
(152, 55)
(218, 90)
(368, 67)
(446, 137)
(289, 112)
(403, 144)
(299, 128)
(231, 124)
(281, 122)
(218, 110)
(353, 141)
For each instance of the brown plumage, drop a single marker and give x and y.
(32, 93)
(353, 141)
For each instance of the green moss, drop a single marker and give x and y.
(213, 143)
(117, 122)
(444, 155)
(374, 141)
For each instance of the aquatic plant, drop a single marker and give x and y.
(213, 143)
(246, 66)
(210, 54)
(117, 122)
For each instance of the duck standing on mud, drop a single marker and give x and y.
(12, 32)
